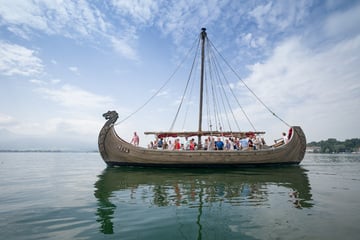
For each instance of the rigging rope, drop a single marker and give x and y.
(250, 90)
(208, 112)
(162, 87)
(233, 94)
(187, 84)
(218, 72)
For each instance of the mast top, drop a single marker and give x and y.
(203, 33)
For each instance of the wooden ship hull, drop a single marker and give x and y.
(117, 152)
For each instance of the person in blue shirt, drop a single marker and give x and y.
(219, 144)
(160, 143)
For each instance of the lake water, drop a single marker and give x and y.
(74, 196)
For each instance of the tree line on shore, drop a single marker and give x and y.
(334, 146)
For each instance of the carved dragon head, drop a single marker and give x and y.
(111, 115)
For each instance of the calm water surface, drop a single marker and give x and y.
(74, 196)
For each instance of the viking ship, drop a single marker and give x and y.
(115, 151)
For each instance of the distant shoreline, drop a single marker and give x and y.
(96, 151)
(53, 151)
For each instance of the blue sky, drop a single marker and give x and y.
(64, 63)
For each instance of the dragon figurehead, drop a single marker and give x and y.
(111, 117)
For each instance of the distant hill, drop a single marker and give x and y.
(16, 142)
(334, 146)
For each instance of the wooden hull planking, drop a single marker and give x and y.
(116, 151)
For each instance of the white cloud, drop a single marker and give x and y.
(250, 41)
(72, 19)
(259, 12)
(18, 60)
(80, 126)
(343, 23)
(24, 13)
(74, 70)
(6, 120)
(321, 85)
(44, 83)
(280, 15)
(37, 82)
(140, 11)
(55, 81)
(183, 17)
(73, 97)
(121, 46)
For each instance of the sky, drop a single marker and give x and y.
(64, 63)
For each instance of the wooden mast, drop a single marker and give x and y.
(203, 37)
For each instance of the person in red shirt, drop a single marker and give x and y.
(192, 144)
(177, 144)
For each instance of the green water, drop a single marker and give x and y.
(74, 196)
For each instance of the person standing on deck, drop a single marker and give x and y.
(160, 143)
(135, 140)
(177, 145)
(206, 144)
(227, 145)
(187, 144)
(192, 144)
(285, 138)
(219, 144)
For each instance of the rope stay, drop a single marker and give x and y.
(216, 74)
(217, 102)
(233, 94)
(248, 88)
(160, 89)
(186, 87)
(224, 95)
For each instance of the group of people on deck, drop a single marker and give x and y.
(211, 143)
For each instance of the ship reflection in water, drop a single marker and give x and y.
(133, 198)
